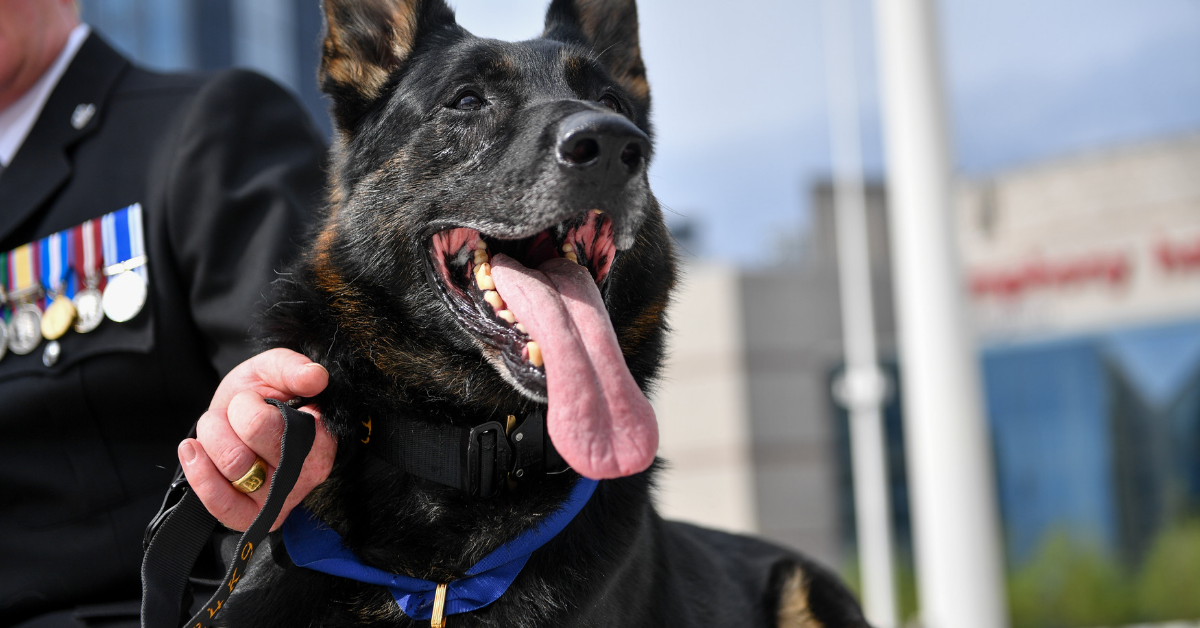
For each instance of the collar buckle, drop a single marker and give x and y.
(489, 455)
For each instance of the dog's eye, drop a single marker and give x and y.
(469, 101)
(608, 101)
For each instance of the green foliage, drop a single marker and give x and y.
(906, 584)
(1070, 584)
(1168, 586)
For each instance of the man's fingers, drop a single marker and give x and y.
(254, 428)
(235, 510)
(223, 447)
(258, 424)
(278, 373)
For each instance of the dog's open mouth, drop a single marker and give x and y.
(463, 259)
(536, 301)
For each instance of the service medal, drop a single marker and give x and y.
(124, 263)
(89, 310)
(124, 296)
(58, 318)
(25, 329)
(88, 260)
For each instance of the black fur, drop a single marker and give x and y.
(407, 164)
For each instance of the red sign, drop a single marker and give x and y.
(1112, 269)
(1178, 256)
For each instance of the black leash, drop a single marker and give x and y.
(183, 526)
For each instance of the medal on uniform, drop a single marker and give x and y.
(124, 263)
(55, 253)
(88, 264)
(3, 305)
(25, 328)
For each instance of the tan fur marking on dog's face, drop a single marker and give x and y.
(623, 58)
(365, 43)
(793, 604)
(647, 321)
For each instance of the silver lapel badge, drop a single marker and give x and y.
(82, 115)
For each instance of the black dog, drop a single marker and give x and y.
(487, 292)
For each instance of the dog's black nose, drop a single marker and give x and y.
(603, 147)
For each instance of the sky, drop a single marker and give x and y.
(739, 95)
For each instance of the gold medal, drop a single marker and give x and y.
(58, 318)
(124, 296)
(25, 329)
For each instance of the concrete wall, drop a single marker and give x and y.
(702, 407)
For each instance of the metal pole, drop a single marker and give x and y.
(862, 388)
(955, 519)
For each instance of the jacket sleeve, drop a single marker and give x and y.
(245, 182)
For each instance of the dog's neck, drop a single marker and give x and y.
(408, 525)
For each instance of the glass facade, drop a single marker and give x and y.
(1097, 436)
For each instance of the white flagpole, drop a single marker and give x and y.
(955, 516)
(862, 388)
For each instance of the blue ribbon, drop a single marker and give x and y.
(62, 281)
(121, 223)
(313, 545)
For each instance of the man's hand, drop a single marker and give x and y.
(240, 426)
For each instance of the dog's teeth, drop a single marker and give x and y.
(481, 256)
(535, 353)
(480, 244)
(568, 247)
(520, 328)
(507, 315)
(483, 277)
(571, 256)
(494, 300)
(597, 212)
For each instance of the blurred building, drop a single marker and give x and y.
(1084, 276)
(1085, 279)
(278, 38)
(784, 335)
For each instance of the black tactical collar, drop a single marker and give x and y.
(475, 460)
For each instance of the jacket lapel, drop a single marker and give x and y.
(41, 166)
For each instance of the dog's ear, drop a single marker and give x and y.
(366, 41)
(610, 27)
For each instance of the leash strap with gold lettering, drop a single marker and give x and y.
(182, 527)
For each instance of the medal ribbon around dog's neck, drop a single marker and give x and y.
(314, 545)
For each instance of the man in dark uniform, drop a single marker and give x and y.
(226, 170)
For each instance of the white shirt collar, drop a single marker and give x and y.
(17, 119)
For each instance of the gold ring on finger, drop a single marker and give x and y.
(253, 479)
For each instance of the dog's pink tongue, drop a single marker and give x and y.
(599, 420)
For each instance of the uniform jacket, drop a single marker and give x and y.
(227, 168)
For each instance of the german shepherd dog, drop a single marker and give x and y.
(491, 251)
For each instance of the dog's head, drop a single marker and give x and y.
(475, 184)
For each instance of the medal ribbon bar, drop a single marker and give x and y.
(74, 265)
(124, 247)
(22, 268)
(87, 245)
(56, 263)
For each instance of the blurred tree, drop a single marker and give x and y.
(1168, 586)
(1066, 584)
